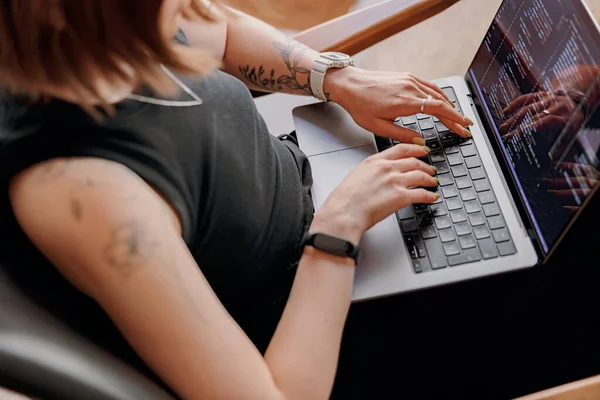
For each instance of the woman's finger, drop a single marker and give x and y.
(388, 129)
(570, 193)
(456, 128)
(412, 164)
(577, 169)
(433, 87)
(419, 196)
(442, 110)
(405, 151)
(418, 179)
(438, 95)
(578, 182)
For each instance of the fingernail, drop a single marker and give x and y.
(437, 181)
(467, 132)
(471, 123)
(419, 140)
(437, 195)
(427, 149)
(434, 169)
(502, 127)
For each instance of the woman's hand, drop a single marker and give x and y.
(379, 186)
(376, 99)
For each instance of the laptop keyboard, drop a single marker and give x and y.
(465, 225)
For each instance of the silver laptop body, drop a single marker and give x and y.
(335, 145)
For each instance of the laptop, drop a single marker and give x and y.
(509, 194)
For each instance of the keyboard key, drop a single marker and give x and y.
(454, 159)
(449, 191)
(459, 170)
(408, 120)
(468, 194)
(472, 207)
(488, 248)
(443, 223)
(501, 235)
(413, 127)
(424, 219)
(463, 182)
(405, 213)
(486, 197)
(419, 208)
(468, 151)
(453, 204)
(428, 232)
(447, 235)
(496, 222)
(451, 248)
(506, 249)
(467, 256)
(437, 157)
(437, 259)
(426, 124)
(458, 216)
(430, 135)
(447, 137)
(473, 162)
(420, 265)
(491, 209)
(422, 116)
(446, 180)
(481, 232)
(437, 210)
(462, 229)
(410, 225)
(465, 142)
(434, 145)
(477, 219)
(467, 242)
(442, 168)
(482, 185)
(477, 173)
(420, 246)
(441, 127)
(436, 119)
(410, 245)
(451, 149)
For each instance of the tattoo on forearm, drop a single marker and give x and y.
(129, 248)
(297, 78)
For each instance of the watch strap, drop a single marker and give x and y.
(332, 245)
(317, 79)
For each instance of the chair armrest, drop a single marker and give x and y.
(358, 30)
(40, 357)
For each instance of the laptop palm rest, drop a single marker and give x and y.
(333, 155)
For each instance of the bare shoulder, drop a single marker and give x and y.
(89, 210)
(206, 35)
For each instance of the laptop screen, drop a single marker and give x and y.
(537, 74)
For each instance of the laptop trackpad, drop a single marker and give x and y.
(330, 169)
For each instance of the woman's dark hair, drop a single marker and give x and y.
(47, 45)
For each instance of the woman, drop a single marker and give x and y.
(160, 194)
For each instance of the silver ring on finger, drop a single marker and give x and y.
(429, 97)
(547, 112)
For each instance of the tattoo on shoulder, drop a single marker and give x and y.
(296, 79)
(52, 169)
(130, 246)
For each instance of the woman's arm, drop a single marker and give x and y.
(116, 240)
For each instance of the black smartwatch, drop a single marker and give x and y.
(331, 245)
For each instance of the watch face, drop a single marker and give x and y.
(334, 56)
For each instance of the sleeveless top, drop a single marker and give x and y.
(241, 193)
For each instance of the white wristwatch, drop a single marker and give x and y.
(321, 65)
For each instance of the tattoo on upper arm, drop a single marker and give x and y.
(297, 78)
(130, 246)
(52, 169)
